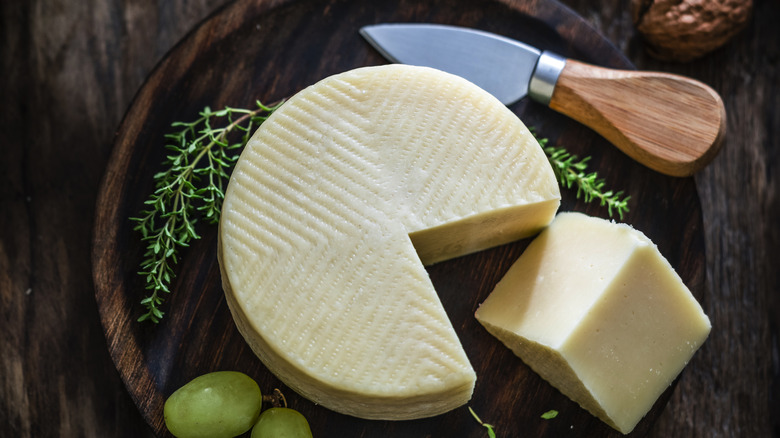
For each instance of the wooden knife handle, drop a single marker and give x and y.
(670, 123)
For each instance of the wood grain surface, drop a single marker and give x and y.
(70, 70)
(199, 336)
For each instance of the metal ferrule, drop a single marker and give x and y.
(544, 77)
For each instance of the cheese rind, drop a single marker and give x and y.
(320, 216)
(598, 312)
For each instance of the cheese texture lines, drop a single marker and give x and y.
(336, 204)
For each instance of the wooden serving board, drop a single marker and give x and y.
(268, 50)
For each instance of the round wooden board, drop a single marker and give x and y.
(269, 49)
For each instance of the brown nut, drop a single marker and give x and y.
(683, 30)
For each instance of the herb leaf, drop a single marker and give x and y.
(549, 415)
(191, 187)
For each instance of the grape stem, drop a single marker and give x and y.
(276, 399)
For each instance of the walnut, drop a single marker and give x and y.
(683, 30)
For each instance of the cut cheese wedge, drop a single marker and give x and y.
(598, 312)
(332, 210)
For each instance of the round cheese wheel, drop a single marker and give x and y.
(336, 204)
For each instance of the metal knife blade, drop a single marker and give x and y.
(670, 123)
(471, 54)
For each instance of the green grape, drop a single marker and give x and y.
(281, 423)
(221, 404)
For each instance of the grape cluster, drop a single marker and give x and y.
(225, 404)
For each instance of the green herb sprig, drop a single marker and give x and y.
(490, 428)
(571, 172)
(191, 187)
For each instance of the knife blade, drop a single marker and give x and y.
(670, 123)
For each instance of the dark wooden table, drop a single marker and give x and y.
(69, 71)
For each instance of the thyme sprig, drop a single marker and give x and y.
(490, 428)
(191, 187)
(570, 171)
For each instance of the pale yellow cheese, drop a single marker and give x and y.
(335, 205)
(597, 311)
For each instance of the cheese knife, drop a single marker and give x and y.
(670, 123)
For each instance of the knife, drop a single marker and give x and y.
(670, 123)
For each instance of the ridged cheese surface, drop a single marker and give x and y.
(335, 205)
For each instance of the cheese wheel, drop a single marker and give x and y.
(598, 312)
(335, 205)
